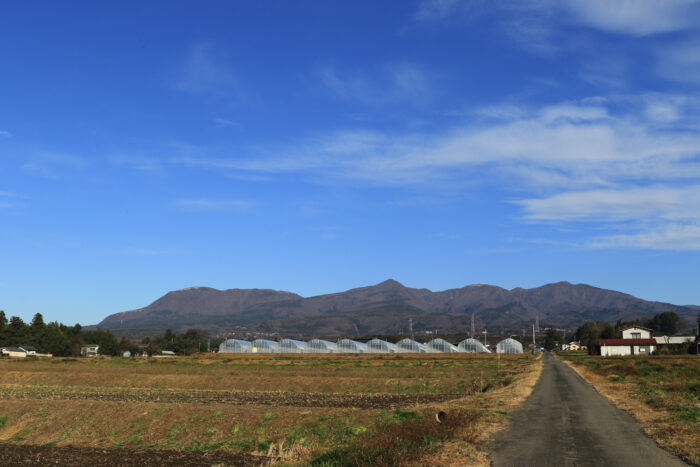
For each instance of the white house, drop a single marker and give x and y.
(89, 350)
(636, 332)
(28, 349)
(636, 340)
(13, 352)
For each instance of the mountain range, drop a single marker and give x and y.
(384, 309)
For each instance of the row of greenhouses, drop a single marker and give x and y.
(373, 346)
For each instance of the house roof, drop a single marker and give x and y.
(626, 341)
(12, 349)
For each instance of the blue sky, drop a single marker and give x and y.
(319, 146)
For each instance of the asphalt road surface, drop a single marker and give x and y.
(565, 422)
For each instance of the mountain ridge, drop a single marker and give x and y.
(383, 308)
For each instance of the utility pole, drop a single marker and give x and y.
(533, 338)
(472, 335)
(484, 332)
(537, 322)
(410, 327)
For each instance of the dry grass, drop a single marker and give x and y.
(399, 374)
(295, 433)
(657, 402)
(494, 406)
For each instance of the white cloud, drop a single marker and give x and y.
(206, 72)
(614, 205)
(603, 161)
(5, 134)
(680, 237)
(213, 204)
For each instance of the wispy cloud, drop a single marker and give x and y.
(679, 237)
(621, 204)
(54, 165)
(140, 251)
(680, 61)
(208, 72)
(392, 82)
(202, 204)
(632, 17)
(636, 17)
(431, 10)
(223, 122)
(140, 163)
(8, 199)
(594, 160)
(5, 134)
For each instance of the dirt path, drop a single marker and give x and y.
(24, 455)
(293, 399)
(565, 422)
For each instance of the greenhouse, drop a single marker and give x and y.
(380, 346)
(441, 346)
(292, 346)
(509, 346)
(472, 346)
(320, 346)
(350, 346)
(410, 346)
(265, 346)
(235, 346)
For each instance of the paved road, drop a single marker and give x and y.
(565, 422)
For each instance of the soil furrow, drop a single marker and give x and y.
(18, 454)
(363, 401)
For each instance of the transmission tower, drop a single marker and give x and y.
(473, 329)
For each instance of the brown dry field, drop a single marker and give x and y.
(661, 392)
(276, 406)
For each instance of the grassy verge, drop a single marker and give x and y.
(662, 392)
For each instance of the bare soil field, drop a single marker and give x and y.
(19, 455)
(366, 410)
(292, 399)
(661, 392)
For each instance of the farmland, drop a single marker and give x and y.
(295, 408)
(662, 392)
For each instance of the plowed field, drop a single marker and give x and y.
(268, 398)
(17, 455)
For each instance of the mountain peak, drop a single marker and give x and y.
(390, 283)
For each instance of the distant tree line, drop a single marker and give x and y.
(54, 338)
(65, 341)
(190, 342)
